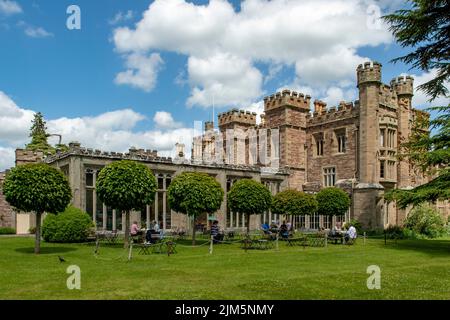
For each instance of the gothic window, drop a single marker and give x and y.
(319, 144)
(382, 169)
(340, 138)
(382, 137)
(329, 176)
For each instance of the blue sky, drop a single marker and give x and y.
(114, 83)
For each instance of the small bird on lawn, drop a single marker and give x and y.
(61, 259)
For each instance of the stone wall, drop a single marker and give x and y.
(7, 215)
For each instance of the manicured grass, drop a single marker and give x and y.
(409, 270)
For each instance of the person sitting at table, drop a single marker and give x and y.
(135, 230)
(337, 230)
(284, 232)
(265, 228)
(351, 233)
(215, 232)
(156, 226)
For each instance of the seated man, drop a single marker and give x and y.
(265, 228)
(284, 232)
(350, 234)
(217, 236)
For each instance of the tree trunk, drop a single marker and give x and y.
(248, 223)
(193, 230)
(127, 230)
(37, 242)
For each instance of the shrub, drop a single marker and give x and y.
(356, 224)
(332, 201)
(395, 232)
(72, 225)
(7, 230)
(425, 221)
(32, 230)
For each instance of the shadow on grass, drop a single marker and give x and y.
(431, 247)
(46, 250)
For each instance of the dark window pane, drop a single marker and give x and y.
(99, 214)
(160, 183)
(89, 179)
(90, 201)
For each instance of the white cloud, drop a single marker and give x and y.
(37, 32)
(8, 7)
(319, 37)
(223, 79)
(7, 158)
(109, 131)
(15, 121)
(121, 17)
(420, 100)
(142, 71)
(165, 120)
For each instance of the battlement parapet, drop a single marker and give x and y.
(132, 154)
(369, 72)
(287, 98)
(403, 85)
(237, 116)
(24, 156)
(343, 111)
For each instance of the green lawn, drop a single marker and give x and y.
(409, 270)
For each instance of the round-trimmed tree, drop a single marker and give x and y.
(193, 194)
(332, 201)
(249, 197)
(126, 185)
(37, 188)
(293, 202)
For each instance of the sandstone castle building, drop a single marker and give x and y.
(353, 146)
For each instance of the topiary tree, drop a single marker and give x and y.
(332, 201)
(37, 188)
(126, 185)
(193, 194)
(249, 197)
(293, 202)
(72, 225)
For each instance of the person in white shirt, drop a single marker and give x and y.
(351, 233)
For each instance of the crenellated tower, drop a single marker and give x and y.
(287, 112)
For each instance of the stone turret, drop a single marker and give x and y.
(209, 126)
(369, 72)
(287, 98)
(403, 85)
(237, 117)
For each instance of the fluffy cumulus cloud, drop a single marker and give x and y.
(109, 131)
(9, 7)
(420, 99)
(319, 38)
(142, 71)
(165, 120)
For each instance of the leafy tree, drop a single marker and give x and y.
(293, 202)
(332, 201)
(193, 194)
(425, 27)
(425, 220)
(37, 188)
(39, 135)
(249, 197)
(72, 225)
(126, 185)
